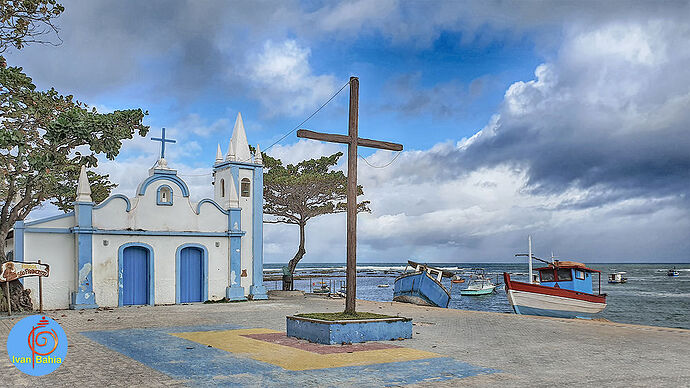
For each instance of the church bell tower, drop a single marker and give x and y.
(238, 188)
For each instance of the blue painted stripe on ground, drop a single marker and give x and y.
(182, 359)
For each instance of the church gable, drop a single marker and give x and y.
(162, 203)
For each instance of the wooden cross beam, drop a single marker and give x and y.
(352, 141)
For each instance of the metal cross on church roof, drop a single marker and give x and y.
(163, 140)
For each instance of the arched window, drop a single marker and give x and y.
(246, 187)
(165, 195)
(222, 188)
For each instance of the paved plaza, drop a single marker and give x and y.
(243, 344)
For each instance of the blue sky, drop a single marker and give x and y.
(564, 120)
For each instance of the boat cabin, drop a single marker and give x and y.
(434, 273)
(567, 275)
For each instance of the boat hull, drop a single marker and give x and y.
(421, 289)
(485, 291)
(533, 299)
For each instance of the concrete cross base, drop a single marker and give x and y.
(83, 300)
(349, 331)
(258, 292)
(235, 293)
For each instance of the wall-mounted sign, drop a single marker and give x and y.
(13, 270)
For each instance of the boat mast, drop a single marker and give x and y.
(529, 238)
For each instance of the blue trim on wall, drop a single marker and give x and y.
(158, 196)
(126, 232)
(235, 291)
(49, 230)
(158, 176)
(212, 202)
(120, 196)
(19, 227)
(84, 214)
(235, 172)
(166, 233)
(84, 297)
(204, 275)
(53, 218)
(257, 290)
(223, 165)
(120, 263)
(235, 219)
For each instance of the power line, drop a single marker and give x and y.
(385, 165)
(293, 129)
(310, 116)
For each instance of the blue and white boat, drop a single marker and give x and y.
(565, 290)
(422, 286)
(673, 272)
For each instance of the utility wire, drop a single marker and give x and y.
(293, 129)
(385, 165)
(310, 116)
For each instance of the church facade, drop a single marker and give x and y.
(157, 247)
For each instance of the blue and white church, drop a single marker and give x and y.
(156, 247)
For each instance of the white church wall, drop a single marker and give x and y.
(105, 264)
(146, 214)
(63, 222)
(247, 219)
(114, 214)
(58, 251)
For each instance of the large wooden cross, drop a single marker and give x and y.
(352, 140)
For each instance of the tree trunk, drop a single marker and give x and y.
(301, 251)
(20, 298)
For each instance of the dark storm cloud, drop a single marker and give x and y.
(449, 99)
(157, 47)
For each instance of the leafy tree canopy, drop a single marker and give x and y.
(27, 21)
(44, 139)
(294, 194)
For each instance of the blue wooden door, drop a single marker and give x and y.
(135, 276)
(191, 271)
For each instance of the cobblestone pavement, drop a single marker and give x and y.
(526, 351)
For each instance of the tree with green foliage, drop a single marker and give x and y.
(294, 194)
(27, 21)
(45, 137)
(68, 178)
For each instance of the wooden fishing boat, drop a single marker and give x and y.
(565, 291)
(422, 286)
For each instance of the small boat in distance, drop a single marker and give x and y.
(673, 272)
(565, 290)
(383, 286)
(479, 285)
(457, 279)
(617, 278)
(422, 286)
(322, 288)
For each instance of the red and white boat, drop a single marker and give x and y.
(564, 290)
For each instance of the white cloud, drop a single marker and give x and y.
(284, 82)
(305, 149)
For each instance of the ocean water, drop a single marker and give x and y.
(650, 297)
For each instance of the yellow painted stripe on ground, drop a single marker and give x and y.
(291, 358)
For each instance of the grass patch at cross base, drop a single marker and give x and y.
(341, 316)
